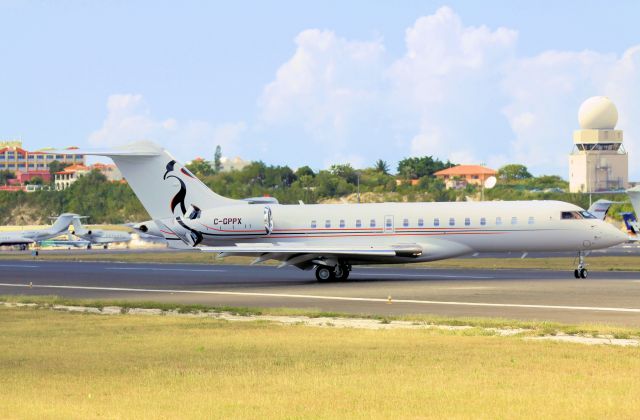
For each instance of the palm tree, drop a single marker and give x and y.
(382, 166)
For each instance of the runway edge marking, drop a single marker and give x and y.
(316, 297)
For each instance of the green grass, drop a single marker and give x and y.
(534, 327)
(598, 263)
(65, 365)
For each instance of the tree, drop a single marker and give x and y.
(200, 168)
(217, 164)
(346, 172)
(5, 176)
(305, 171)
(514, 172)
(415, 168)
(56, 166)
(382, 166)
(36, 180)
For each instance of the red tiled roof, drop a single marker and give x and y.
(72, 169)
(466, 170)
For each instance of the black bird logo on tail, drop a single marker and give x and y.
(179, 200)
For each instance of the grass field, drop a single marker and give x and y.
(65, 365)
(600, 263)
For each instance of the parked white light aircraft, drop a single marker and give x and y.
(333, 238)
(98, 236)
(25, 237)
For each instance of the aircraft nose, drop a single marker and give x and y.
(614, 236)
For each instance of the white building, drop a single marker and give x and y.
(233, 164)
(69, 175)
(598, 161)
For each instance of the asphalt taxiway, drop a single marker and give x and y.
(605, 297)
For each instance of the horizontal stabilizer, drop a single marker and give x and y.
(140, 148)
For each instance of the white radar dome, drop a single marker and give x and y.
(598, 113)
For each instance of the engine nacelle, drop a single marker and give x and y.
(149, 227)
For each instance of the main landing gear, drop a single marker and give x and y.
(581, 272)
(326, 273)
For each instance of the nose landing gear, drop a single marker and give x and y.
(581, 272)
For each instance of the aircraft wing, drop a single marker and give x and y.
(305, 256)
(17, 240)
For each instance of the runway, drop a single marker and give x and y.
(606, 297)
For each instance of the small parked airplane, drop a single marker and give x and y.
(98, 236)
(332, 238)
(24, 238)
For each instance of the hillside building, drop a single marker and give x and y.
(460, 176)
(14, 158)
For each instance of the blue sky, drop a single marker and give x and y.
(318, 83)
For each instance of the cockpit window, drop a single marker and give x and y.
(587, 215)
(567, 215)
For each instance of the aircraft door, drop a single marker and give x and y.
(268, 220)
(389, 226)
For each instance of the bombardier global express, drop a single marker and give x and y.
(332, 238)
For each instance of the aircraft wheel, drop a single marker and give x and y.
(105, 247)
(576, 273)
(341, 272)
(324, 273)
(583, 273)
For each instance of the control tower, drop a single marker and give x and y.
(598, 161)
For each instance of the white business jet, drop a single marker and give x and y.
(102, 237)
(23, 238)
(332, 238)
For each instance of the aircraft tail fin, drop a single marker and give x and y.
(77, 226)
(634, 195)
(164, 186)
(600, 208)
(62, 222)
(631, 223)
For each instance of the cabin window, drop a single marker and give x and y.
(358, 223)
(532, 220)
(420, 222)
(436, 222)
(388, 223)
(327, 223)
(498, 220)
(341, 223)
(372, 223)
(467, 221)
(452, 221)
(483, 221)
(514, 220)
(405, 223)
(567, 215)
(313, 224)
